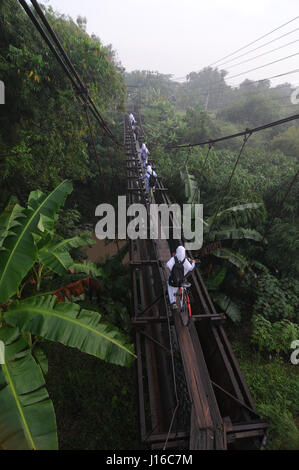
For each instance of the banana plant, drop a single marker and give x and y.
(191, 186)
(226, 226)
(28, 244)
(227, 305)
(225, 223)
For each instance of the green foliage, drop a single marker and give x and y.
(18, 248)
(271, 301)
(27, 414)
(191, 186)
(254, 111)
(27, 240)
(199, 90)
(67, 222)
(162, 126)
(152, 85)
(282, 429)
(241, 214)
(83, 397)
(232, 257)
(199, 125)
(275, 389)
(235, 234)
(66, 323)
(115, 301)
(282, 247)
(213, 282)
(55, 255)
(287, 141)
(290, 287)
(276, 336)
(49, 141)
(230, 308)
(88, 268)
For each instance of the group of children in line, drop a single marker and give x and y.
(150, 176)
(178, 265)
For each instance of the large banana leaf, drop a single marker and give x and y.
(213, 282)
(69, 325)
(229, 307)
(236, 211)
(19, 251)
(57, 261)
(240, 207)
(55, 255)
(233, 233)
(41, 359)
(232, 257)
(9, 220)
(27, 418)
(89, 268)
(191, 186)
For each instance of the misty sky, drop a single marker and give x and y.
(180, 36)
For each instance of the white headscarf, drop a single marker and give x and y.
(180, 253)
(143, 146)
(149, 169)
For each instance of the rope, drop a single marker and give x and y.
(239, 134)
(204, 164)
(245, 139)
(66, 63)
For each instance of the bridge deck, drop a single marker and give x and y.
(191, 390)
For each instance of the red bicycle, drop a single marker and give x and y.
(185, 305)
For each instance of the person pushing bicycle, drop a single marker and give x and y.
(150, 177)
(179, 266)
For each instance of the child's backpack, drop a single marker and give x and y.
(152, 181)
(176, 277)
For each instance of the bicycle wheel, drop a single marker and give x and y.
(184, 314)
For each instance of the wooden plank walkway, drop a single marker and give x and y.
(206, 427)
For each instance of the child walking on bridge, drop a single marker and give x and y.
(132, 119)
(150, 177)
(144, 154)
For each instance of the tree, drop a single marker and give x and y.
(26, 235)
(199, 125)
(287, 141)
(45, 136)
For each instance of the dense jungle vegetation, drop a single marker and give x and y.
(50, 188)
